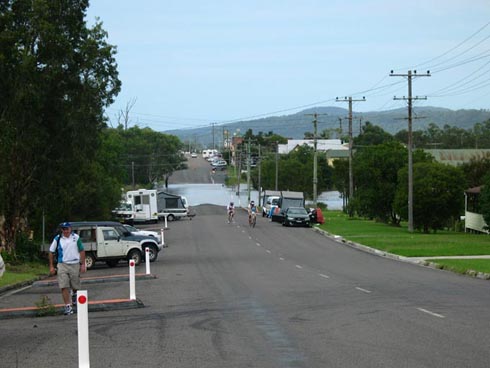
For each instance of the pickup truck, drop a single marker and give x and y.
(110, 242)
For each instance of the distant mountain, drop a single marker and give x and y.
(295, 125)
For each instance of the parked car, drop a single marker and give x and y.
(193, 154)
(135, 231)
(296, 216)
(110, 242)
(219, 163)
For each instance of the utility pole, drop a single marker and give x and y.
(132, 174)
(315, 157)
(277, 165)
(213, 124)
(410, 75)
(260, 174)
(351, 175)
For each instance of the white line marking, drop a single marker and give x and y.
(363, 290)
(258, 244)
(298, 266)
(281, 259)
(431, 313)
(268, 251)
(324, 276)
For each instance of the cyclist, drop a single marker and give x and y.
(252, 213)
(231, 211)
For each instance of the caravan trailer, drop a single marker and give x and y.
(151, 205)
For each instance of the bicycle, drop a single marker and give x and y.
(252, 219)
(231, 215)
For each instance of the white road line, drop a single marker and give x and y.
(281, 259)
(324, 276)
(268, 251)
(258, 244)
(298, 266)
(431, 313)
(363, 290)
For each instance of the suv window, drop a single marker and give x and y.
(110, 234)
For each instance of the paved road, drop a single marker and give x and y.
(231, 296)
(198, 172)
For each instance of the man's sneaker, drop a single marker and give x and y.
(68, 310)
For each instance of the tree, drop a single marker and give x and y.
(154, 156)
(375, 175)
(340, 178)
(475, 170)
(372, 135)
(298, 164)
(485, 200)
(56, 77)
(438, 195)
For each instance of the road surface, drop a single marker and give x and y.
(231, 296)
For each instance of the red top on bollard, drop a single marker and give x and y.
(82, 299)
(131, 263)
(147, 249)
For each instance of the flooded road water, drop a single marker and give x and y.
(201, 186)
(221, 195)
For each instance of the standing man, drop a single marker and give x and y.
(2, 263)
(71, 261)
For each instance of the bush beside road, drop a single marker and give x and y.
(398, 241)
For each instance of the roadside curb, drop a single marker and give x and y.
(97, 280)
(419, 262)
(93, 306)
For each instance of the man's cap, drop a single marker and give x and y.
(65, 225)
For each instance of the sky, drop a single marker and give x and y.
(187, 63)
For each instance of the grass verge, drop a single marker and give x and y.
(16, 274)
(398, 240)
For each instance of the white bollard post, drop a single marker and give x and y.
(82, 318)
(163, 237)
(132, 284)
(166, 227)
(147, 260)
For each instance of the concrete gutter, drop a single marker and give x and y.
(96, 280)
(58, 309)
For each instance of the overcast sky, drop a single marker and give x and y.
(193, 63)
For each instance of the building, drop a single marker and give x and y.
(473, 218)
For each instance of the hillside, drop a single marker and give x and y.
(331, 117)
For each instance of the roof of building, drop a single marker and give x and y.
(457, 156)
(321, 145)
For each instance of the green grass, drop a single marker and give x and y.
(464, 265)
(15, 274)
(398, 240)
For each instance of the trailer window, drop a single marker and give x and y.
(172, 202)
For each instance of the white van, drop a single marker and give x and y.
(270, 198)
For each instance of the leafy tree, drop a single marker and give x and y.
(340, 177)
(475, 171)
(295, 172)
(154, 156)
(437, 195)
(372, 135)
(375, 176)
(485, 200)
(56, 77)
